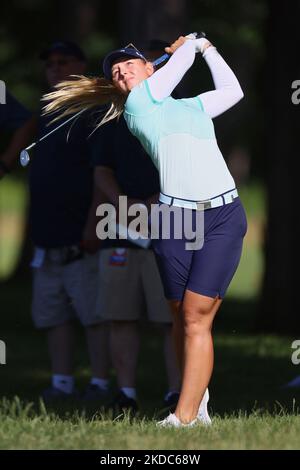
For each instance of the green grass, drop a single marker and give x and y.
(13, 202)
(250, 409)
(13, 195)
(21, 428)
(248, 277)
(253, 197)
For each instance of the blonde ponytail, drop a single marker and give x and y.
(81, 93)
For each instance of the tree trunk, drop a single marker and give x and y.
(75, 19)
(279, 310)
(141, 21)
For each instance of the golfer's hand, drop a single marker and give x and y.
(201, 44)
(172, 48)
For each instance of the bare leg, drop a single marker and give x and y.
(98, 345)
(199, 312)
(60, 345)
(124, 351)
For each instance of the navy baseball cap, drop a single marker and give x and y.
(110, 58)
(64, 47)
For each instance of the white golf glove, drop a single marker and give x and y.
(200, 43)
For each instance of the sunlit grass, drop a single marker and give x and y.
(13, 202)
(23, 428)
(247, 280)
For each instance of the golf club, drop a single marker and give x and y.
(24, 155)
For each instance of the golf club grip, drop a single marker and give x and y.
(167, 56)
(200, 35)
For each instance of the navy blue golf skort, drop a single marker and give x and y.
(209, 270)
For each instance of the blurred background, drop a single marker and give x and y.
(259, 139)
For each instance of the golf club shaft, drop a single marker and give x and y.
(161, 59)
(54, 130)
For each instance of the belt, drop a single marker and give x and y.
(64, 255)
(217, 201)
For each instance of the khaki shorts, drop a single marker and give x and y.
(62, 292)
(129, 285)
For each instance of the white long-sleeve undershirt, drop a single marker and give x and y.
(227, 88)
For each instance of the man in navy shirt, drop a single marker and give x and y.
(129, 281)
(12, 113)
(62, 225)
(13, 116)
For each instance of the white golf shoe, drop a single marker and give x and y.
(203, 415)
(173, 421)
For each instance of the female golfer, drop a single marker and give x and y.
(179, 137)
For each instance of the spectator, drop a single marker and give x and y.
(129, 277)
(13, 116)
(62, 223)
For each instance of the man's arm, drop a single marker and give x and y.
(90, 241)
(21, 138)
(151, 200)
(106, 181)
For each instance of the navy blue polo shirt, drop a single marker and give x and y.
(12, 113)
(133, 169)
(61, 183)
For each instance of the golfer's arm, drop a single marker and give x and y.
(105, 180)
(163, 82)
(228, 90)
(21, 138)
